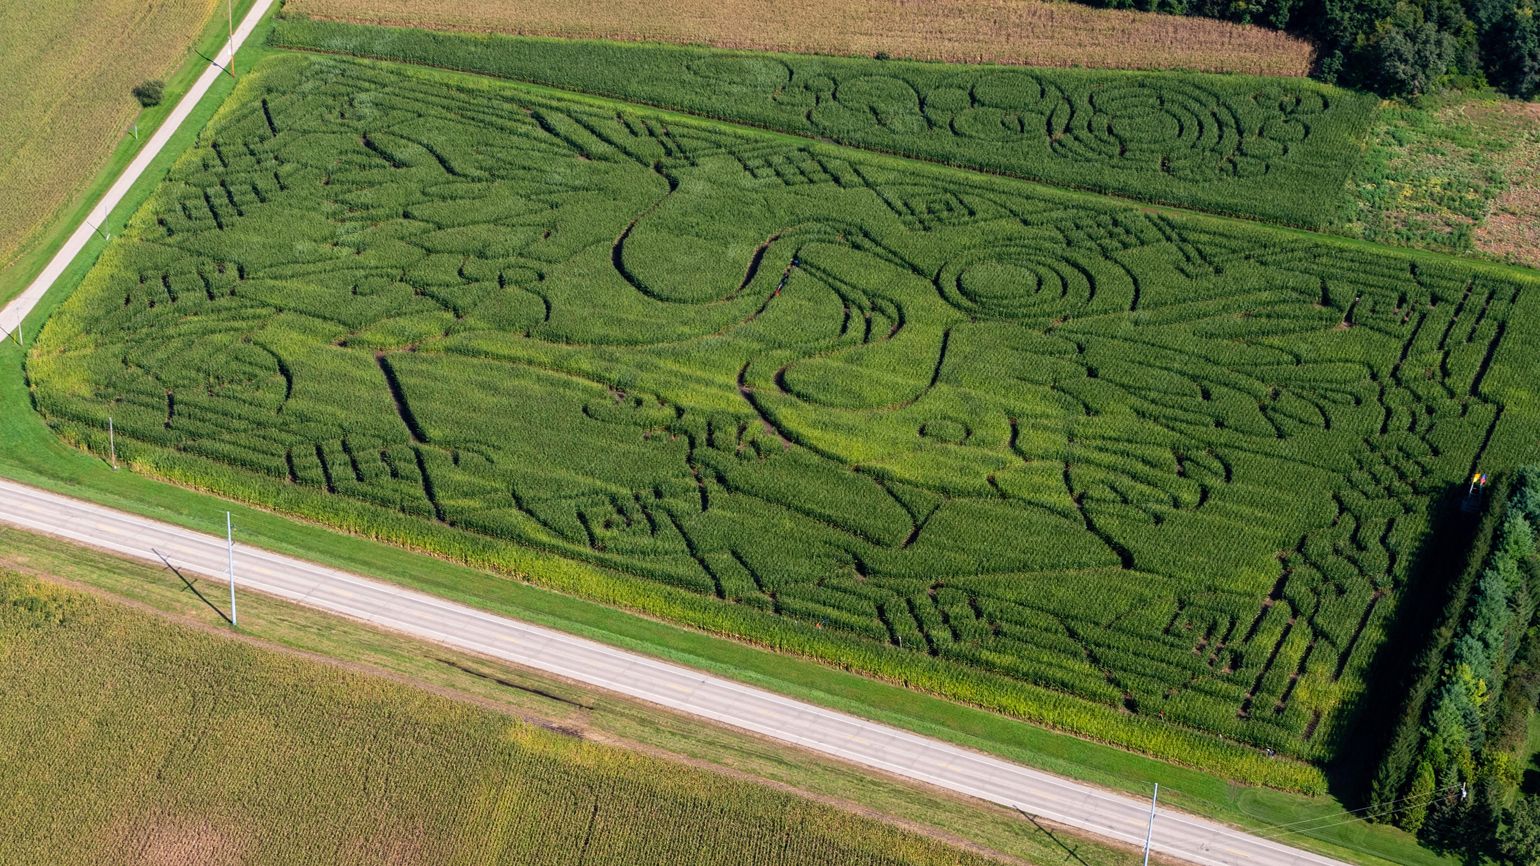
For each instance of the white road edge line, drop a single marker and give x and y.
(815, 728)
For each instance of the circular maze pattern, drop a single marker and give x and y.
(1187, 131)
(856, 103)
(1182, 129)
(998, 107)
(1015, 283)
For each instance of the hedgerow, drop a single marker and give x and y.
(1497, 614)
(1275, 148)
(1152, 479)
(1396, 767)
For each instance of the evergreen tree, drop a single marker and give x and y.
(1518, 840)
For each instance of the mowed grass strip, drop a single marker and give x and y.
(1249, 146)
(969, 31)
(69, 68)
(1002, 443)
(127, 739)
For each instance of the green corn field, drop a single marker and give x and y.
(1275, 148)
(1154, 478)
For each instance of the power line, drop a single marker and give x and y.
(1321, 823)
(1365, 808)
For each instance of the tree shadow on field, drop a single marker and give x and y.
(195, 590)
(1070, 854)
(1436, 564)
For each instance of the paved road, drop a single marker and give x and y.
(673, 686)
(15, 312)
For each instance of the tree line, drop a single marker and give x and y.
(1395, 47)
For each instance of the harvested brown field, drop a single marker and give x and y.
(1033, 32)
(69, 67)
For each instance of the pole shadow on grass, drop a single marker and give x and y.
(211, 61)
(189, 583)
(1070, 853)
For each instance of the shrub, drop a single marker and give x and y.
(149, 92)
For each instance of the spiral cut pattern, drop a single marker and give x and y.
(1014, 282)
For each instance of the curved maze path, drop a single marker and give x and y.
(1046, 442)
(1182, 128)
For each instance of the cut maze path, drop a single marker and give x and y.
(879, 412)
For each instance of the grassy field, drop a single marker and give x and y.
(821, 395)
(553, 703)
(970, 31)
(1457, 173)
(1256, 147)
(71, 66)
(146, 742)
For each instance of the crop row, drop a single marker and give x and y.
(154, 743)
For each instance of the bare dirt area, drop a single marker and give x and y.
(160, 839)
(1034, 32)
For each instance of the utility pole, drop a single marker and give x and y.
(230, 550)
(1149, 831)
(112, 443)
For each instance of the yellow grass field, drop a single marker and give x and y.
(68, 67)
(1034, 32)
(128, 739)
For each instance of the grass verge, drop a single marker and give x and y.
(30, 454)
(46, 240)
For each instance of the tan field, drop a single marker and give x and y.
(134, 740)
(1034, 32)
(68, 68)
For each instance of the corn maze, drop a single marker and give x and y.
(1171, 468)
(1276, 148)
